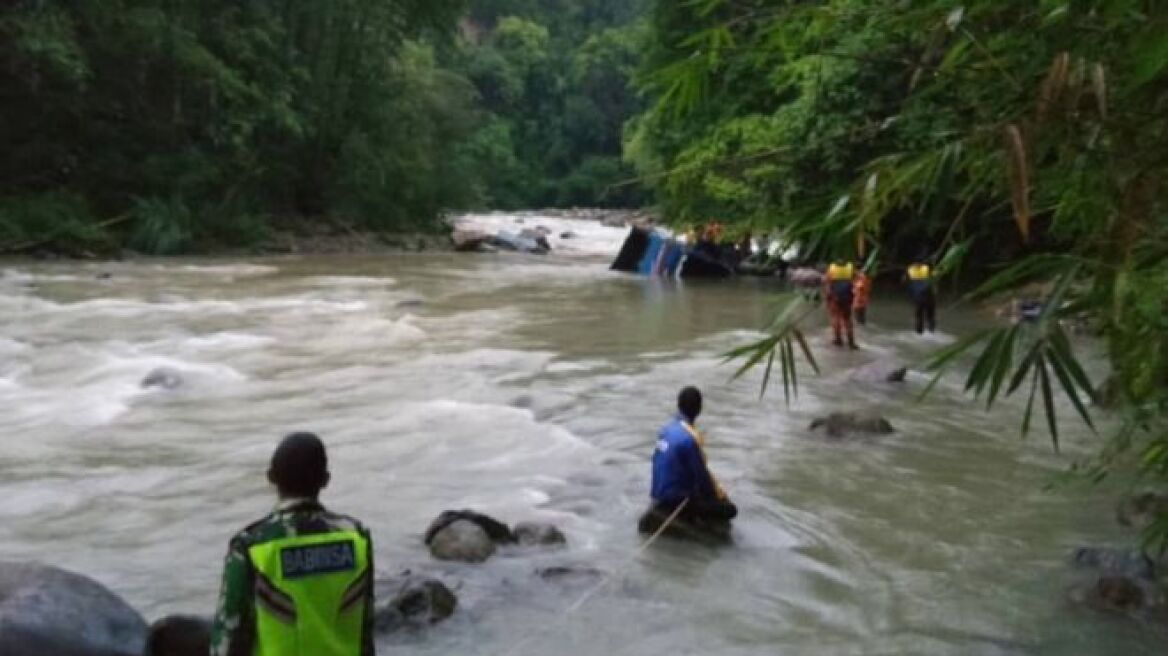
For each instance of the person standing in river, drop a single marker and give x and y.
(840, 294)
(299, 582)
(681, 474)
(920, 289)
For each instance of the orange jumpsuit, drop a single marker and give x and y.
(861, 288)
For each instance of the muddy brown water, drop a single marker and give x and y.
(531, 388)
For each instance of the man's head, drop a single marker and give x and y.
(299, 466)
(689, 403)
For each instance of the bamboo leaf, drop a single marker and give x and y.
(985, 362)
(1099, 87)
(1059, 340)
(1005, 363)
(1020, 374)
(1030, 405)
(1054, 303)
(806, 349)
(1069, 387)
(766, 376)
(1019, 180)
(789, 356)
(1048, 403)
(945, 356)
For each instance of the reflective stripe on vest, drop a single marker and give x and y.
(918, 272)
(840, 272)
(310, 594)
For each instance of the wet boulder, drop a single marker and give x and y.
(535, 534)
(179, 635)
(881, 371)
(1130, 563)
(46, 611)
(1115, 593)
(163, 378)
(568, 235)
(839, 424)
(466, 535)
(1140, 510)
(414, 601)
(570, 574)
(462, 540)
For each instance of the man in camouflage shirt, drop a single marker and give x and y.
(299, 582)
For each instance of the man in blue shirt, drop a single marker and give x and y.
(680, 475)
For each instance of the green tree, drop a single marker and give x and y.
(1029, 137)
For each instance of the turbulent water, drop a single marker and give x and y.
(531, 388)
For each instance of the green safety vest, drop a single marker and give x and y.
(310, 594)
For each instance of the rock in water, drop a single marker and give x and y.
(46, 611)
(1112, 593)
(414, 601)
(498, 531)
(838, 424)
(530, 534)
(880, 372)
(1126, 562)
(462, 540)
(569, 574)
(1141, 510)
(179, 635)
(163, 377)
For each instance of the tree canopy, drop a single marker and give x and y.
(170, 125)
(1025, 139)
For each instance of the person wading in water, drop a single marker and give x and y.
(920, 290)
(681, 475)
(839, 293)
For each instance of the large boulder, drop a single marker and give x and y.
(839, 424)
(1140, 510)
(414, 601)
(462, 540)
(179, 635)
(881, 371)
(535, 534)
(46, 611)
(163, 378)
(498, 531)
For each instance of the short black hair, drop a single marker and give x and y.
(689, 402)
(299, 465)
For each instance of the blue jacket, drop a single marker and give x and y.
(679, 471)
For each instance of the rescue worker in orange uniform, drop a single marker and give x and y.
(861, 289)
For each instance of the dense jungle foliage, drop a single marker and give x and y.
(1029, 139)
(168, 126)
